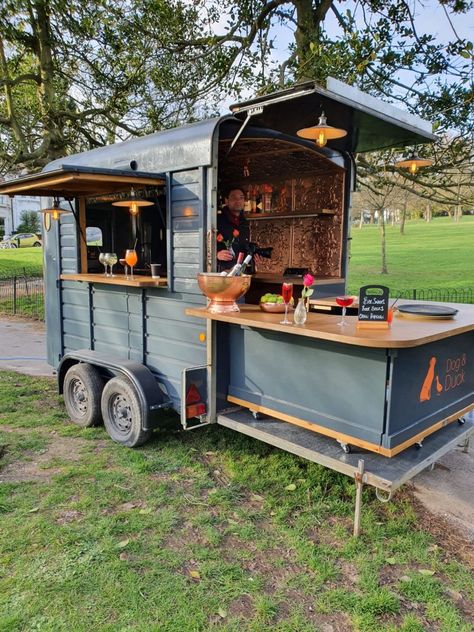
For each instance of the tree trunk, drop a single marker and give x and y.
(384, 269)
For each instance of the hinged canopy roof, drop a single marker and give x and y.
(75, 181)
(371, 124)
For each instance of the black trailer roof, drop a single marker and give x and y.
(371, 124)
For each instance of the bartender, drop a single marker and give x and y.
(233, 231)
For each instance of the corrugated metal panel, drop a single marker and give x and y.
(68, 244)
(75, 313)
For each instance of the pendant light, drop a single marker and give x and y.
(322, 132)
(133, 203)
(54, 211)
(414, 163)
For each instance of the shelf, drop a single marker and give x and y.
(269, 215)
(117, 279)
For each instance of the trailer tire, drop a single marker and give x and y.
(82, 390)
(122, 413)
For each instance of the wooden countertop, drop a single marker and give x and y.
(403, 332)
(117, 279)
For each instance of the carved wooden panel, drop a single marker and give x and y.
(316, 193)
(276, 233)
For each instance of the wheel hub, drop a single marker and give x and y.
(120, 413)
(78, 396)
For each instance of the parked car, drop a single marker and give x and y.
(22, 240)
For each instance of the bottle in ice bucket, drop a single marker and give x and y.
(241, 265)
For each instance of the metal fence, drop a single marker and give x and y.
(459, 295)
(22, 294)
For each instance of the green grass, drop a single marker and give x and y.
(438, 254)
(197, 532)
(15, 260)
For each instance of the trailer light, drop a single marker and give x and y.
(414, 163)
(194, 405)
(53, 211)
(133, 203)
(322, 132)
(202, 337)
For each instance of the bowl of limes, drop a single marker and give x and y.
(273, 303)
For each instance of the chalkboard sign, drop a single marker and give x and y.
(373, 304)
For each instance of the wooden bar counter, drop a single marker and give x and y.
(117, 279)
(381, 390)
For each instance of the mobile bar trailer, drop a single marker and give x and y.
(126, 347)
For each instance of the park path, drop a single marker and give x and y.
(447, 490)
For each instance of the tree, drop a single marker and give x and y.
(29, 222)
(80, 74)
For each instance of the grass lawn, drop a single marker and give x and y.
(199, 531)
(14, 260)
(439, 254)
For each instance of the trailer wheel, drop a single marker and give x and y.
(82, 389)
(122, 413)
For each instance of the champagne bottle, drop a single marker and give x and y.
(245, 263)
(235, 271)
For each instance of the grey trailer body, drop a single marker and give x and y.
(148, 326)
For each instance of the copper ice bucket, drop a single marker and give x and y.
(223, 291)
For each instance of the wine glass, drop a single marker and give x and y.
(287, 293)
(102, 259)
(112, 260)
(344, 302)
(123, 263)
(131, 259)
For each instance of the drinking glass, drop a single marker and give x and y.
(344, 302)
(123, 263)
(112, 260)
(131, 259)
(287, 293)
(102, 259)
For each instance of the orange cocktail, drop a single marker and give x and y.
(131, 259)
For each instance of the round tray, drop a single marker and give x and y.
(427, 311)
(274, 308)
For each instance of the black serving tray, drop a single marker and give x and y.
(427, 311)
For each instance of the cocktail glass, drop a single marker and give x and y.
(112, 260)
(123, 263)
(102, 259)
(131, 258)
(344, 302)
(287, 293)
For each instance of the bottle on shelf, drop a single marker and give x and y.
(247, 203)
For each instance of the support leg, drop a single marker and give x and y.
(465, 447)
(359, 480)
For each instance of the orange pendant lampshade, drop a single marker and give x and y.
(133, 203)
(322, 132)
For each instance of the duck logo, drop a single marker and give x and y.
(453, 376)
(427, 386)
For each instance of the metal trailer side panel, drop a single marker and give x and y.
(52, 262)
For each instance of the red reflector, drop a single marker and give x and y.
(195, 410)
(192, 396)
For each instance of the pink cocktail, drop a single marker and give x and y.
(344, 302)
(287, 293)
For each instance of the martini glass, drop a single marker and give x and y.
(344, 302)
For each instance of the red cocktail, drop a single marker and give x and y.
(344, 302)
(287, 293)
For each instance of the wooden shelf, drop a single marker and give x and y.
(270, 215)
(117, 279)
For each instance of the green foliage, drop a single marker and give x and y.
(29, 222)
(18, 260)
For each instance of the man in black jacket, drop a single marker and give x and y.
(233, 232)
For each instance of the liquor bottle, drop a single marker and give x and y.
(247, 203)
(240, 268)
(235, 271)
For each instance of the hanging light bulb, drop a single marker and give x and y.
(414, 163)
(133, 203)
(322, 132)
(54, 211)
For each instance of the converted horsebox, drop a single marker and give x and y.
(125, 348)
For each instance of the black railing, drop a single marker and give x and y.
(446, 295)
(22, 294)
